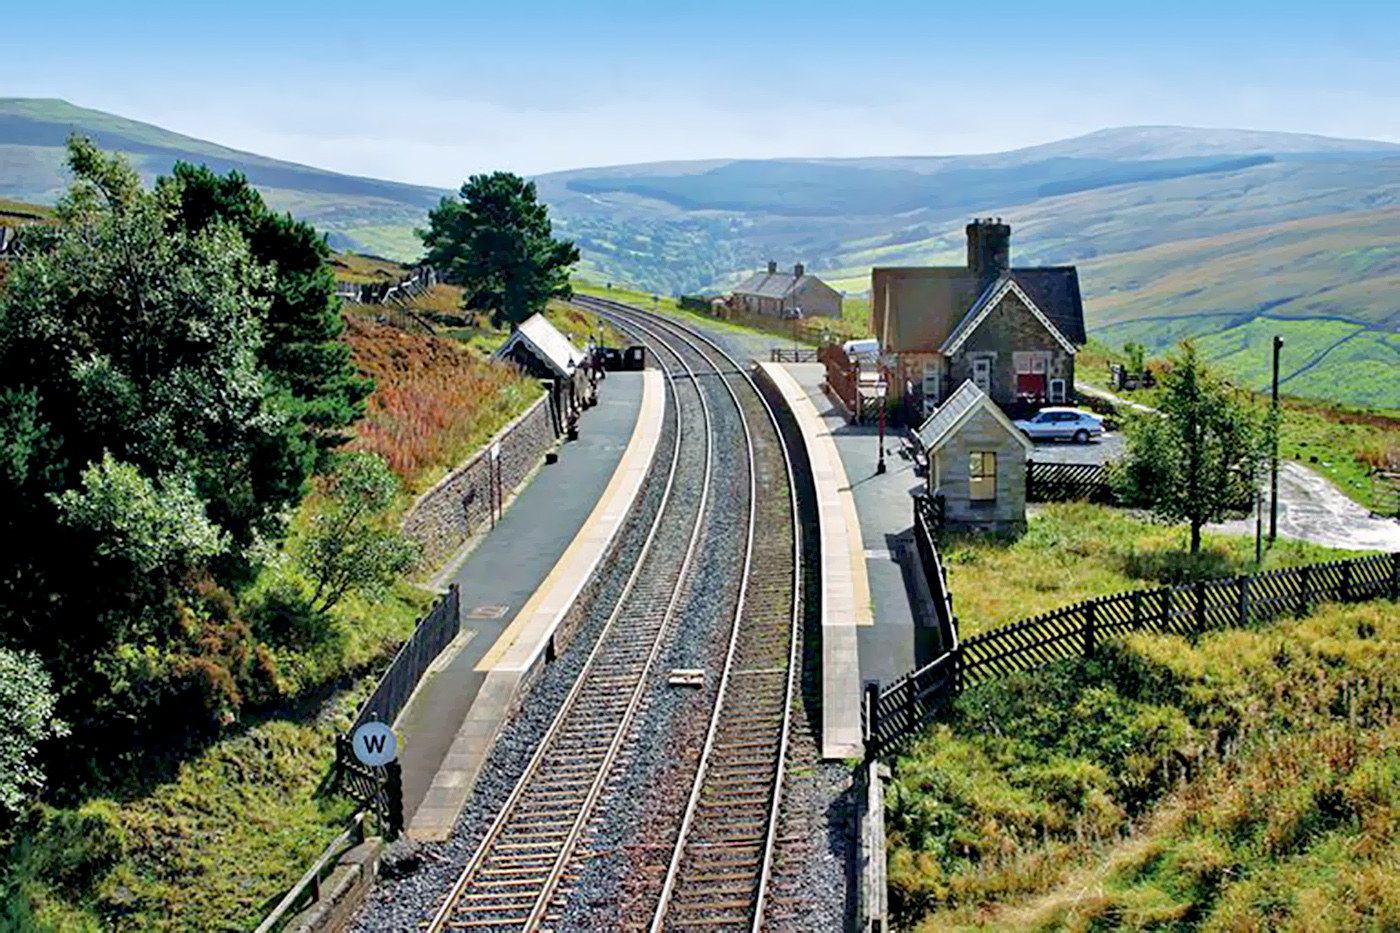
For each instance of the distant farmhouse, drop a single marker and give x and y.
(1012, 332)
(777, 294)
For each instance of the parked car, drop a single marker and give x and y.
(866, 351)
(1066, 423)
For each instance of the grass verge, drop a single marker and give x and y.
(1250, 781)
(1073, 551)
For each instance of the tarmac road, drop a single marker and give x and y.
(1311, 509)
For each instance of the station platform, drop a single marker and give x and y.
(516, 585)
(869, 560)
(846, 604)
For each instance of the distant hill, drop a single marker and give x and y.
(359, 213)
(1223, 234)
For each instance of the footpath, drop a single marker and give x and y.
(530, 561)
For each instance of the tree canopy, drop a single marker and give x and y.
(169, 379)
(1195, 462)
(496, 242)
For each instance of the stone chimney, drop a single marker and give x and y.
(798, 270)
(988, 247)
(772, 267)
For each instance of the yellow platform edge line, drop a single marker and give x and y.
(626, 480)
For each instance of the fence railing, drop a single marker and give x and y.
(433, 633)
(900, 709)
(841, 376)
(928, 522)
(793, 355)
(1060, 482)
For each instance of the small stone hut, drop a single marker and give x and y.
(976, 462)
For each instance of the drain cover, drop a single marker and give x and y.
(488, 612)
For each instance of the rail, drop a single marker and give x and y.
(737, 792)
(900, 709)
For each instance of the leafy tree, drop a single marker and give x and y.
(496, 243)
(136, 437)
(1196, 461)
(348, 547)
(26, 719)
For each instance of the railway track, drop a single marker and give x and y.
(520, 864)
(719, 873)
(713, 870)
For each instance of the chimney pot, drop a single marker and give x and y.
(798, 270)
(772, 267)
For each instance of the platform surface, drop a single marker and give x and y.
(905, 633)
(535, 558)
(845, 586)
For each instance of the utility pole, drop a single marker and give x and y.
(1273, 449)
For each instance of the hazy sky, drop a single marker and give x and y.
(430, 92)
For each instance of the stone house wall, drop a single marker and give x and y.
(444, 517)
(949, 476)
(1009, 328)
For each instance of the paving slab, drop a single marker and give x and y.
(559, 519)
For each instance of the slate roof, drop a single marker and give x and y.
(546, 343)
(948, 417)
(776, 284)
(953, 291)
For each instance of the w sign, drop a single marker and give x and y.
(375, 744)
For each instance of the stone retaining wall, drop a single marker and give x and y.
(444, 517)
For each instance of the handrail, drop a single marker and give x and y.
(312, 878)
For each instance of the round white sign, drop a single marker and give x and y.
(375, 744)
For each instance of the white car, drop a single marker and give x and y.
(1070, 424)
(867, 351)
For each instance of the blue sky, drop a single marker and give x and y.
(430, 92)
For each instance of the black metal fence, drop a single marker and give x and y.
(900, 709)
(1063, 482)
(928, 522)
(433, 633)
(792, 355)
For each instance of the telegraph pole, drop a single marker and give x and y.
(1273, 451)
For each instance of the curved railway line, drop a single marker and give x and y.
(716, 858)
(718, 876)
(510, 880)
(521, 874)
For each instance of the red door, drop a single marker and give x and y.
(1030, 385)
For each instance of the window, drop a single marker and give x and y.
(1057, 390)
(982, 476)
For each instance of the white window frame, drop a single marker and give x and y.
(1057, 390)
(989, 361)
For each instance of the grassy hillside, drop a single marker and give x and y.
(1247, 781)
(364, 213)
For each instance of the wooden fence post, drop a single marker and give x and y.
(1091, 611)
(1137, 609)
(1304, 588)
(1346, 582)
(1395, 576)
(1242, 588)
(1200, 606)
(1165, 609)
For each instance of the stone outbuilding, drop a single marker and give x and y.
(779, 294)
(976, 463)
(1013, 331)
(544, 352)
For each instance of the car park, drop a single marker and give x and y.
(1069, 424)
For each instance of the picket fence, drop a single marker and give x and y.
(897, 711)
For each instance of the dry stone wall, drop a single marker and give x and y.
(444, 517)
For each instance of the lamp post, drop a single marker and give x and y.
(1273, 449)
